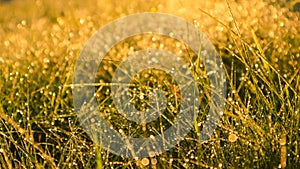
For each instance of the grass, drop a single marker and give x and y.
(258, 43)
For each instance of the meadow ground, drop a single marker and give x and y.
(258, 42)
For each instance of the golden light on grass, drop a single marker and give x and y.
(283, 151)
(40, 42)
